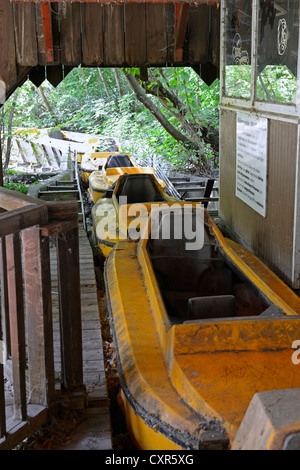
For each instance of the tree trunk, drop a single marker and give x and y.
(143, 98)
(45, 101)
(171, 102)
(104, 82)
(118, 82)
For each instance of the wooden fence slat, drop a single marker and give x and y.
(17, 326)
(157, 42)
(70, 309)
(92, 34)
(70, 34)
(37, 282)
(25, 33)
(8, 69)
(2, 338)
(135, 35)
(2, 401)
(4, 296)
(114, 54)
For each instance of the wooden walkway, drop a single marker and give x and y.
(94, 433)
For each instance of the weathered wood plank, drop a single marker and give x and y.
(114, 43)
(17, 325)
(22, 218)
(198, 31)
(8, 71)
(215, 38)
(41, 43)
(157, 42)
(2, 338)
(13, 200)
(170, 11)
(62, 211)
(55, 31)
(25, 34)
(135, 35)
(70, 36)
(70, 309)
(18, 431)
(37, 282)
(4, 296)
(92, 34)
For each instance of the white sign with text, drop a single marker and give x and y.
(251, 161)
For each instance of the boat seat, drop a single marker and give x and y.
(140, 188)
(118, 161)
(215, 306)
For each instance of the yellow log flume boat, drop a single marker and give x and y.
(117, 207)
(94, 161)
(203, 335)
(111, 167)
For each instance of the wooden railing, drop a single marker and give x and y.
(26, 327)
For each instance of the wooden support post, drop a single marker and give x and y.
(16, 318)
(4, 297)
(37, 281)
(2, 394)
(70, 314)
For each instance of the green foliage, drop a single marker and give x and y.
(21, 187)
(81, 103)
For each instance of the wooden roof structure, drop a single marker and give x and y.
(45, 39)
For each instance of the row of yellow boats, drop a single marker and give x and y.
(202, 328)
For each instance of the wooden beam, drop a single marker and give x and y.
(182, 11)
(22, 218)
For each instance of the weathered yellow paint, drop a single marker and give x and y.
(144, 436)
(100, 181)
(141, 358)
(266, 281)
(118, 220)
(200, 372)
